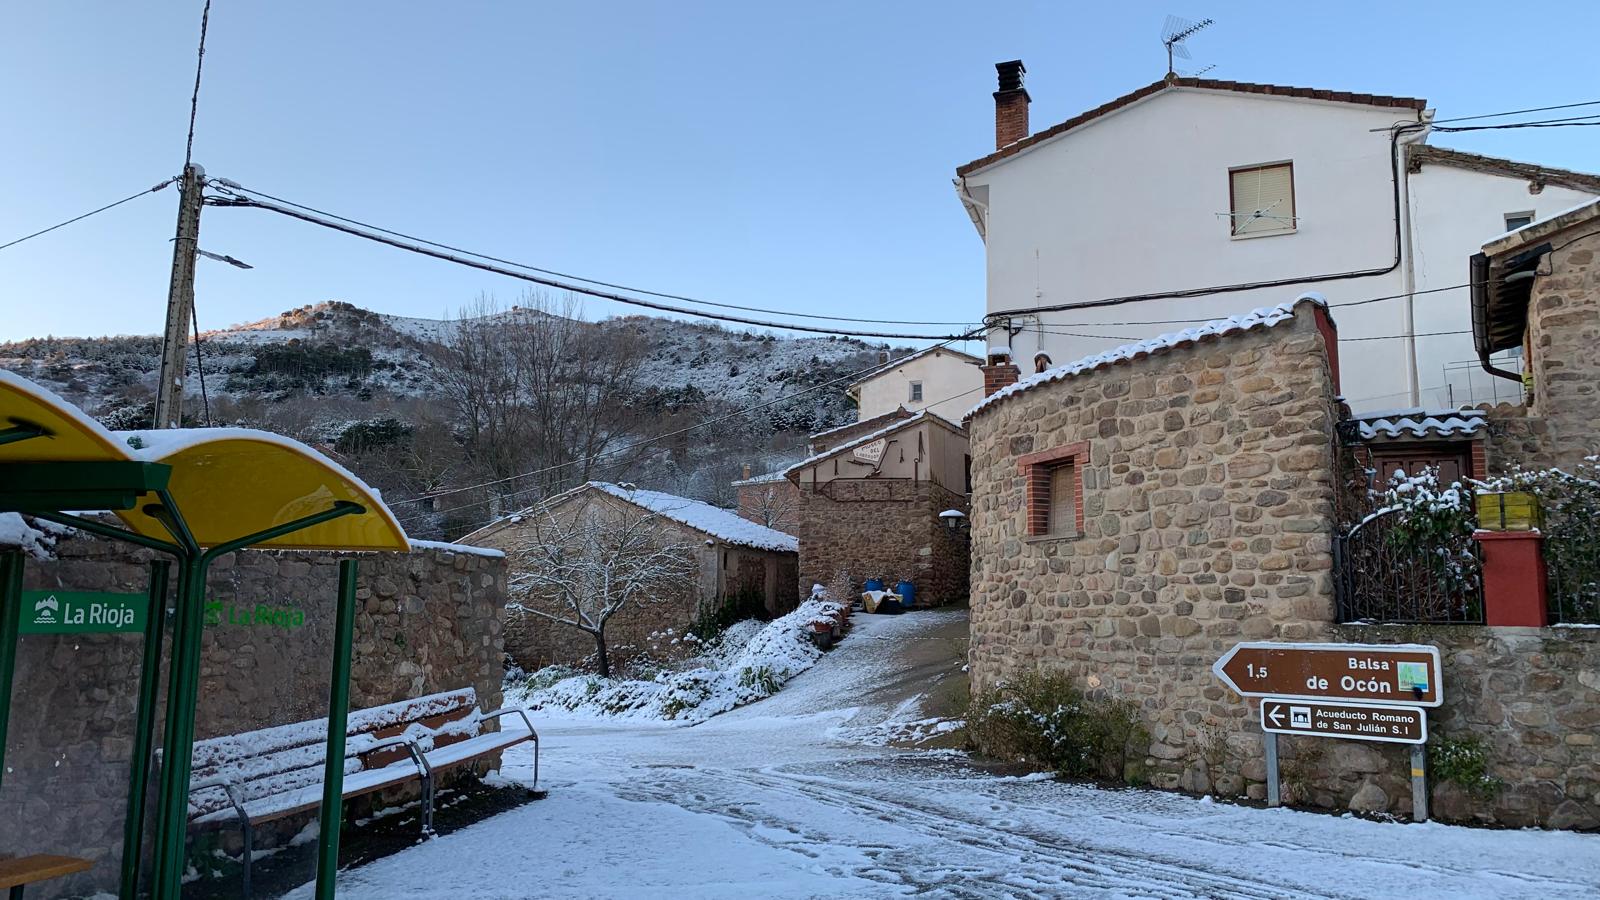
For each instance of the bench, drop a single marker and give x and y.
(22, 871)
(264, 775)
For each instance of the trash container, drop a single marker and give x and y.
(907, 592)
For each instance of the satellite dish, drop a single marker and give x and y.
(1174, 33)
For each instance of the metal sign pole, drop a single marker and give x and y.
(10, 622)
(338, 720)
(1419, 782)
(144, 729)
(1274, 798)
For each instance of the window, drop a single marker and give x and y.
(1261, 199)
(1063, 500)
(1518, 219)
(916, 392)
(1054, 490)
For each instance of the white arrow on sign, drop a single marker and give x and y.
(1276, 717)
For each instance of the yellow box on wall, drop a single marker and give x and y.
(1509, 511)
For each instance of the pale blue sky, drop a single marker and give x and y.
(795, 156)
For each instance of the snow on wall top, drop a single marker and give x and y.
(1420, 422)
(1266, 317)
(724, 525)
(456, 548)
(768, 478)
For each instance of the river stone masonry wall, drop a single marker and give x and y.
(1207, 520)
(427, 621)
(888, 528)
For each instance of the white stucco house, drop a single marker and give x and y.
(1191, 199)
(940, 379)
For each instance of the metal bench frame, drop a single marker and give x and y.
(231, 787)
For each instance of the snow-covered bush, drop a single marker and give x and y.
(1042, 719)
(752, 661)
(1434, 525)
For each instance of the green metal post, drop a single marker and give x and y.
(144, 729)
(172, 802)
(10, 621)
(183, 690)
(338, 718)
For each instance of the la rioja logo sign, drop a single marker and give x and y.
(81, 612)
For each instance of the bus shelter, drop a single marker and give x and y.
(191, 495)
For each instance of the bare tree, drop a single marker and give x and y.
(774, 506)
(581, 565)
(539, 393)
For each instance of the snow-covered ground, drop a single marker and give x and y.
(797, 796)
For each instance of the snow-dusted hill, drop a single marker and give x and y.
(319, 371)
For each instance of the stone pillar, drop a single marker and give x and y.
(1514, 579)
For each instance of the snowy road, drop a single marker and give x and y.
(795, 797)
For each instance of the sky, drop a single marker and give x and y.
(792, 156)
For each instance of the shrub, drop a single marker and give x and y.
(1434, 525)
(1044, 720)
(715, 618)
(1464, 762)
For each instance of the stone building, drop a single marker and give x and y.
(871, 503)
(1138, 512)
(426, 622)
(1537, 291)
(733, 557)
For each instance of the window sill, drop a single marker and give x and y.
(1262, 234)
(1052, 538)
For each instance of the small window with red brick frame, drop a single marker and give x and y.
(1055, 490)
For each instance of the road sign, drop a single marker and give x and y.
(1351, 721)
(79, 612)
(1381, 673)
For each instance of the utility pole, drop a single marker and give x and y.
(180, 301)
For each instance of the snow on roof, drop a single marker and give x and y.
(1266, 317)
(722, 524)
(899, 412)
(914, 418)
(768, 478)
(1420, 422)
(66, 407)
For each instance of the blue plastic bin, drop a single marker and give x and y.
(907, 592)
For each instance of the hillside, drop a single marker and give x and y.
(367, 386)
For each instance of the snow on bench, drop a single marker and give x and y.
(262, 775)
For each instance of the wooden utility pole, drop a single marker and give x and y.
(180, 301)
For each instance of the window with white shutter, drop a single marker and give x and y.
(1063, 500)
(1262, 199)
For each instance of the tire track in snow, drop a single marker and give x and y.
(1026, 864)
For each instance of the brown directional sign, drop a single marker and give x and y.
(1351, 721)
(1406, 674)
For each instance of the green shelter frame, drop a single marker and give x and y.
(47, 485)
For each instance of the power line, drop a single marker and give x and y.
(194, 99)
(421, 518)
(1514, 112)
(640, 443)
(1573, 122)
(88, 214)
(555, 274)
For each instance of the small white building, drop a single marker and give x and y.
(940, 379)
(1190, 198)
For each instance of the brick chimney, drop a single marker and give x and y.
(1010, 104)
(999, 372)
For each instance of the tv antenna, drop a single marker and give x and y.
(1174, 33)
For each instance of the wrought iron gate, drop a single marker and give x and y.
(1375, 580)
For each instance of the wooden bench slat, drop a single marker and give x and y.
(39, 867)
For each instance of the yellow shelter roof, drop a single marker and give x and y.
(227, 483)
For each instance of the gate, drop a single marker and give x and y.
(1375, 580)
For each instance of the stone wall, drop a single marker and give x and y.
(427, 621)
(1208, 495)
(1563, 332)
(888, 528)
(1515, 439)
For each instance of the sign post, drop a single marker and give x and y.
(1362, 692)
